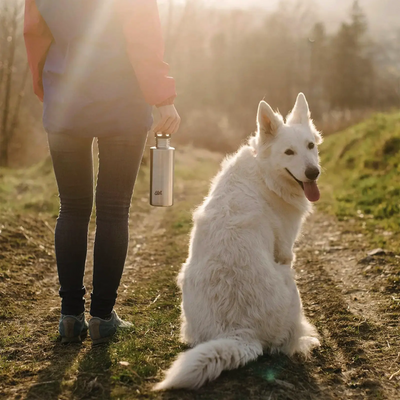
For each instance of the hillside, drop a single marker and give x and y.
(362, 177)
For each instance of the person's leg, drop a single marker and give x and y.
(119, 161)
(72, 161)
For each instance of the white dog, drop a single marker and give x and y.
(238, 287)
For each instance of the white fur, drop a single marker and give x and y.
(238, 287)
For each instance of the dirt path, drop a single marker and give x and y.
(346, 293)
(348, 296)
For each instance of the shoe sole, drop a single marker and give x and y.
(102, 340)
(74, 339)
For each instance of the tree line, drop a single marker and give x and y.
(225, 62)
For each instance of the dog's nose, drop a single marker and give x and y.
(312, 173)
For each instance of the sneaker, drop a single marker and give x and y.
(73, 329)
(102, 330)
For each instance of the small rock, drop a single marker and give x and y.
(376, 252)
(124, 363)
(334, 248)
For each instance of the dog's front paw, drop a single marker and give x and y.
(284, 255)
(306, 344)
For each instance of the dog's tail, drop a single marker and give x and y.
(207, 360)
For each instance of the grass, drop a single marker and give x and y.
(361, 187)
(29, 191)
(361, 182)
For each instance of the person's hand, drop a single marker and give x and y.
(169, 120)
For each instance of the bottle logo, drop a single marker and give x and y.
(158, 193)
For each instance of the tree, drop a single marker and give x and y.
(318, 65)
(351, 74)
(13, 72)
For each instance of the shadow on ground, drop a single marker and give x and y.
(50, 379)
(91, 380)
(270, 377)
(94, 376)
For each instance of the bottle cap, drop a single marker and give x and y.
(162, 135)
(162, 140)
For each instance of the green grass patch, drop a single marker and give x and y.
(361, 179)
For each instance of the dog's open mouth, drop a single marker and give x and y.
(310, 188)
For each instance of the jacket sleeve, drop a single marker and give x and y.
(38, 39)
(142, 28)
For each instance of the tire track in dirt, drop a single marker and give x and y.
(359, 336)
(29, 302)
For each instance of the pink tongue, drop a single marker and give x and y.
(311, 191)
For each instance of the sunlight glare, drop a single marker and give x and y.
(80, 65)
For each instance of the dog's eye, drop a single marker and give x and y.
(289, 152)
(311, 145)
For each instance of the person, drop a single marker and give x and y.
(98, 68)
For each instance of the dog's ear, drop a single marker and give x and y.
(300, 113)
(267, 120)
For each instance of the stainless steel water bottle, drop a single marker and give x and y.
(162, 172)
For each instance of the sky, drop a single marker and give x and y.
(336, 6)
(267, 4)
(382, 15)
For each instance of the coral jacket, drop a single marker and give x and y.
(141, 27)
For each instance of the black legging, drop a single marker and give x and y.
(119, 161)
